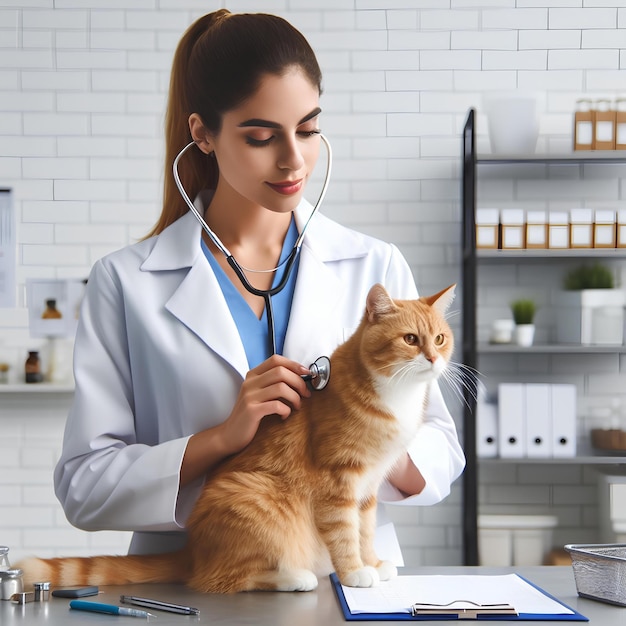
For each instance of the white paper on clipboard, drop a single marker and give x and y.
(399, 594)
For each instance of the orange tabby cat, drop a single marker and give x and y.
(305, 488)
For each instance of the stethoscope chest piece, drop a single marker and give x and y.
(320, 373)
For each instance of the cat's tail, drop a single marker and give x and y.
(171, 567)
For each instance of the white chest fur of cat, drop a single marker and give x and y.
(305, 488)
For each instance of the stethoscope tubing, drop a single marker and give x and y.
(266, 294)
(214, 238)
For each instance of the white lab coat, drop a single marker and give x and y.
(158, 358)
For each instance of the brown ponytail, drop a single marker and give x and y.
(218, 64)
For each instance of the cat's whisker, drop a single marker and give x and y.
(454, 385)
(470, 379)
(383, 369)
(450, 314)
(459, 377)
(402, 372)
(396, 372)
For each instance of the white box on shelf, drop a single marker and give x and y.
(604, 234)
(581, 228)
(538, 409)
(514, 539)
(618, 501)
(512, 229)
(511, 418)
(536, 229)
(487, 228)
(486, 430)
(621, 228)
(495, 547)
(611, 507)
(590, 316)
(558, 230)
(563, 408)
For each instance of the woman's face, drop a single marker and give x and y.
(267, 147)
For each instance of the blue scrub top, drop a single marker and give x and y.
(252, 330)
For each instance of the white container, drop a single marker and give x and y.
(558, 230)
(604, 235)
(590, 316)
(524, 335)
(487, 228)
(513, 123)
(512, 235)
(502, 331)
(612, 507)
(11, 581)
(581, 228)
(536, 229)
(621, 228)
(505, 540)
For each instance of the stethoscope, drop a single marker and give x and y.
(320, 369)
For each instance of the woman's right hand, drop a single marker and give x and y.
(275, 387)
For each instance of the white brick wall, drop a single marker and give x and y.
(82, 93)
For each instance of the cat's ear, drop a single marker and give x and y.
(378, 303)
(441, 301)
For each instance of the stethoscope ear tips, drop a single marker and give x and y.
(320, 373)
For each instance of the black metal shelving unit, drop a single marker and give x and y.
(470, 259)
(470, 357)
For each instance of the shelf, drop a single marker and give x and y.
(587, 455)
(570, 158)
(591, 459)
(575, 460)
(546, 253)
(509, 348)
(36, 388)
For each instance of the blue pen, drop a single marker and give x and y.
(110, 609)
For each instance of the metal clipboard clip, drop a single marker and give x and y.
(462, 609)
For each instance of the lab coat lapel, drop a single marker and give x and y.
(313, 310)
(200, 305)
(197, 302)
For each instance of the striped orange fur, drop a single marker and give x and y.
(300, 500)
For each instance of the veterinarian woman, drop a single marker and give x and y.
(173, 363)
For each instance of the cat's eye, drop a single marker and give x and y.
(440, 339)
(410, 339)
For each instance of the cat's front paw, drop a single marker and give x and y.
(364, 577)
(387, 570)
(297, 580)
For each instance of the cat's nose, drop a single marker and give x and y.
(431, 357)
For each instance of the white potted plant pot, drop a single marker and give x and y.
(524, 334)
(524, 317)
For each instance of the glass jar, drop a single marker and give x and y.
(32, 368)
(11, 581)
(51, 312)
(4, 558)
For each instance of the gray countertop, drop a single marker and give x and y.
(314, 608)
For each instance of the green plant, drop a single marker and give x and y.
(523, 311)
(596, 276)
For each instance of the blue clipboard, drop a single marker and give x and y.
(575, 616)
